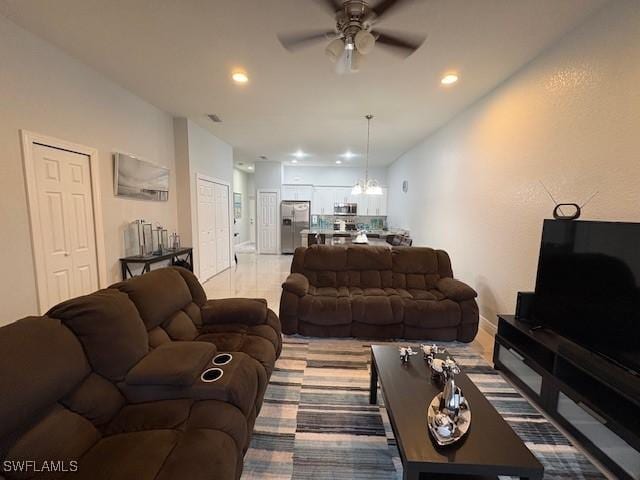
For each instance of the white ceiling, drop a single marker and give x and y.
(178, 54)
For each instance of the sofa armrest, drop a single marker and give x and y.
(297, 284)
(248, 311)
(455, 289)
(172, 364)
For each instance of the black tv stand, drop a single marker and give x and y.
(593, 398)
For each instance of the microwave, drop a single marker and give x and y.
(345, 209)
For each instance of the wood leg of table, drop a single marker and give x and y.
(373, 385)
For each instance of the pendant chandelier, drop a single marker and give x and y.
(367, 186)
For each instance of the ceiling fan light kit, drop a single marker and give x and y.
(354, 36)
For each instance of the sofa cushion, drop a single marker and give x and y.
(202, 455)
(96, 399)
(174, 363)
(179, 326)
(135, 455)
(109, 328)
(414, 260)
(421, 295)
(248, 311)
(325, 257)
(44, 361)
(60, 435)
(431, 314)
(157, 294)
(197, 292)
(320, 310)
(361, 257)
(377, 310)
(158, 415)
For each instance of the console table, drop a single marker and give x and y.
(597, 401)
(148, 260)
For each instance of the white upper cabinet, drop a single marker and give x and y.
(342, 195)
(323, 200)
(297, 192)
(373, 204)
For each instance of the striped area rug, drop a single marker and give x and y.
(316, 421)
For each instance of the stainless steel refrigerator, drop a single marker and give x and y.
(294, 217)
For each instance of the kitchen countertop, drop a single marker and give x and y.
(330, 232)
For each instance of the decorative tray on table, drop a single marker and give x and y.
(447, 430)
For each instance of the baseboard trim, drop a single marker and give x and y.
(487, 326)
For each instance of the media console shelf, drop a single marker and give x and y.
(594, 399)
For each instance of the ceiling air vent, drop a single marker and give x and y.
(214, 118)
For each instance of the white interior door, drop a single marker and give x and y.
(206, 229)
(252, 219)
(64, 199)
(214, 235)
(267, 222)
(222, 226)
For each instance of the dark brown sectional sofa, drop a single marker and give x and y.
(377, 292)
(112, 381)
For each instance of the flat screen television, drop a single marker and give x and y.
(588, 286)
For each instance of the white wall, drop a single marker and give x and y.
(570, 118)
(241, 185)
(198, 151)
(46, 91)
(268, 175)
(330, 176)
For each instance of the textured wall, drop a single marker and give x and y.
(46, 91)
(570, 118)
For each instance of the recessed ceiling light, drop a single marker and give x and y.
(294, 161)
(338, 162)
(449, 79)
(240, 76)
(299, 154)
(250, 167)
(348, 154)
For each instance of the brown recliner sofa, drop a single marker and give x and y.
(377, 292)
(108, 386)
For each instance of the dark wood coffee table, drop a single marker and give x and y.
(489, 449)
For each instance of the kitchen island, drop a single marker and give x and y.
(330, 233)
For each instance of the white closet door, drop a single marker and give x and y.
(63, 182)
(206, 229)
(268, 222)
(222, 227)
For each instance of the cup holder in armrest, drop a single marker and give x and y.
(222, 359)
(211, 375)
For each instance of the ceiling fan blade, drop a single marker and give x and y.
(403, 44)
(330, 6)
(384, 7)
(296, 40)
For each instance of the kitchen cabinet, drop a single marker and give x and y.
(323, 200)
(373, 205)
(342, 195)
(297, 192)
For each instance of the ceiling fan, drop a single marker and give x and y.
(356, 33)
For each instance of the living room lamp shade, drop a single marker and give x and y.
(367, 186)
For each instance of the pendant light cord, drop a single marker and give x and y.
(366, 170)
